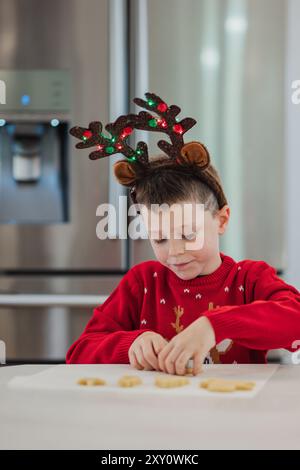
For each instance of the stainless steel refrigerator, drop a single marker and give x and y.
(69, 62)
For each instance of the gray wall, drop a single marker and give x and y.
(292, 160)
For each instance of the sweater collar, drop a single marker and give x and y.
(218, 275)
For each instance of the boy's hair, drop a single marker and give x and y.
(168, 183)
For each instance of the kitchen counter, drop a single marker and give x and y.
(43, 419)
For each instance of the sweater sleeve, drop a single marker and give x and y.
(111, 330)
(271, 319)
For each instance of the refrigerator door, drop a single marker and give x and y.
(43, 315)
(88, 42)
(52, 275)
(223, 64)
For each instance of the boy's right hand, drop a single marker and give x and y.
(144, 350)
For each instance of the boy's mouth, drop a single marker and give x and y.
(181, 265)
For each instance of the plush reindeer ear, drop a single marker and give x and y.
(195, 152)
(124, 172)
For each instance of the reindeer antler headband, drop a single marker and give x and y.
(127, 172)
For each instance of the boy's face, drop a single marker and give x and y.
(188, 235)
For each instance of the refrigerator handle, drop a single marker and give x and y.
(118, 104)
(139, 71)
(118, 93)
(46, 300)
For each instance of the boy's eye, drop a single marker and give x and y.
(161, 240)
(190, 236)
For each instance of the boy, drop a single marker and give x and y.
(194, 301)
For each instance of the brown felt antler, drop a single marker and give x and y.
(116, 143)
(167, 123)
(122, 128)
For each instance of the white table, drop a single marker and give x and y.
(63, 420)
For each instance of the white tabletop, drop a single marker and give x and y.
(41, 419)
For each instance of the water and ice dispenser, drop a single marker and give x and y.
(33, 147)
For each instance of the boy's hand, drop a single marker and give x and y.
(144, 350)
(194, 342)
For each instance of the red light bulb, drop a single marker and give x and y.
(162, 107)
(127, 131)
(178, 129)
(162, 123)
(87, 134)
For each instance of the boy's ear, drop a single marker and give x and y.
(224, 215)
(124, 172)
(195, 152)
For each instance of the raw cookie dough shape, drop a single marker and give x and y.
(129, 381)
(91, 381)
(226, 385)
(239, 385)
(171, 382)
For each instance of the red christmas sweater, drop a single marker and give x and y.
(250, 308)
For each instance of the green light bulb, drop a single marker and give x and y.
(151, 102)
(152, 123)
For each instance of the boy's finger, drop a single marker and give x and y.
(162, 356)
(134, 362)
(158, 344)
(198, 362)
(170, 361)
(149, 355)
(141, 358)
(181, 363)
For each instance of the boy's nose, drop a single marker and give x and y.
(176, 247)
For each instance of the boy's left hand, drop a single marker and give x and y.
(194, 342)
